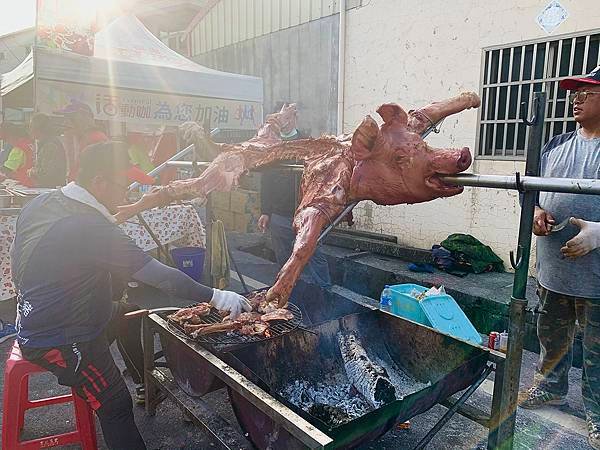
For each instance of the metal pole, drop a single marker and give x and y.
(516, 328)
(337, 220)
(181, 154)
(527, 183)
(237, 270)
(159, 245)
(446, 417)
(149, 387)
(341, 67)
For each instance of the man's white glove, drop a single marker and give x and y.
(230, 301)
(587, 239)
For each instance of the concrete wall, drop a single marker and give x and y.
(414, 52)
(230, 21)
(297, 64)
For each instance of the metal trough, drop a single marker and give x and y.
(448, 364)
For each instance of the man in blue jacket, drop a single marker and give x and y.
(66, 255)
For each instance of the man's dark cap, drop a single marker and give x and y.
(109, 159)
(572, 83)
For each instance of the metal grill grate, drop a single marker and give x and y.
(235, 337)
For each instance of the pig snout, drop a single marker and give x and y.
(464, 159)
(450, 161)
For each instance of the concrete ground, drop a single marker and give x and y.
(547, 428)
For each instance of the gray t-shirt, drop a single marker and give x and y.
(569, 155)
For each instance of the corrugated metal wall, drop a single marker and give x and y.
(233, 21)
(297, 64)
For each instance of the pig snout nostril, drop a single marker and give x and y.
(464, 159)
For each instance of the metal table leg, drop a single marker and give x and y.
(446, 417)
(151, 390)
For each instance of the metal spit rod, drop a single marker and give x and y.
(173, 159)
(527, 183)
(524, 183)
(188, 164)
(337, 220)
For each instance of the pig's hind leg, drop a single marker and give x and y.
(421, 119)
(308, 223)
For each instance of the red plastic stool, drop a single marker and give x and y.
(16, 402)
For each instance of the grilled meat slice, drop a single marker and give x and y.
(248, 317)
(259, 302)
(278, 314)
(255, 298)
(215, 328)
(255, 329)
(192, 328)
(266, 307)
(254, 323)
(192, 314)
(193, 319)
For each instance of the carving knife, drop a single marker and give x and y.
(560, 226)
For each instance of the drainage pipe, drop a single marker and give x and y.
(341, 68)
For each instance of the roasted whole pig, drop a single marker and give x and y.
(389, 165)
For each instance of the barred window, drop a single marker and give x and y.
(512, 74)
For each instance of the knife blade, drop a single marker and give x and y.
(145, 312)
(560, 226)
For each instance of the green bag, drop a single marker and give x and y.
(470, 252)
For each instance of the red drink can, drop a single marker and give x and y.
(494, 340)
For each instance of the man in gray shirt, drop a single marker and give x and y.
(568, 261)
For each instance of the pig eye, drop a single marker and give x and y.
(399, 159)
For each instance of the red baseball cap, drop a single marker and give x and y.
(135, 174)
(572, 83)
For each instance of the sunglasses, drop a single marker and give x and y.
(580, 96)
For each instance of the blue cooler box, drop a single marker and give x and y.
(437, 311)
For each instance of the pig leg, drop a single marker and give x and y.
(308, 223)
(421, 119)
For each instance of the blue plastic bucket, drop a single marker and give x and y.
(405, 305)
(190, 260)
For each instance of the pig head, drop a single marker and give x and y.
(395, 165)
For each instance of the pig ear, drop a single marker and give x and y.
(364, 138)
(391, 113)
